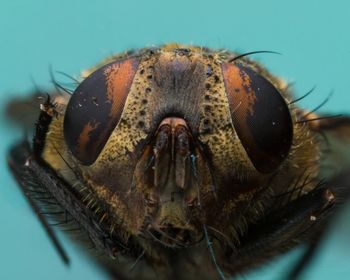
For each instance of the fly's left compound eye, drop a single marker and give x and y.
(259, 115)
(95, 108)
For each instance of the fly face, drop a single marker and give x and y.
(165, 135)
(178, 148)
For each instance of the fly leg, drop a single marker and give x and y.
(304, 219)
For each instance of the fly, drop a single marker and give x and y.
(185, 162)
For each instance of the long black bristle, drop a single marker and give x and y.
(250, 53)
(320, 105)
(320, 118)
(303, 96)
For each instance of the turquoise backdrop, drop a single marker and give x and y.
(313, 37)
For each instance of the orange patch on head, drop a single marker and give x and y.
(119, 77)
(84, 138)
(239, 92)
(241, 99)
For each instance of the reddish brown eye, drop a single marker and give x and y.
(260, 116)
(95, 109)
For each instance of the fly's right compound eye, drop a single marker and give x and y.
(260, 116)
(95, 108)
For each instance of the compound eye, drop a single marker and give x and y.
(95, 108)
(259, 115)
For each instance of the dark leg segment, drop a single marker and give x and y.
(302, 220)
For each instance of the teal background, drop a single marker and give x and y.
(313, 37)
